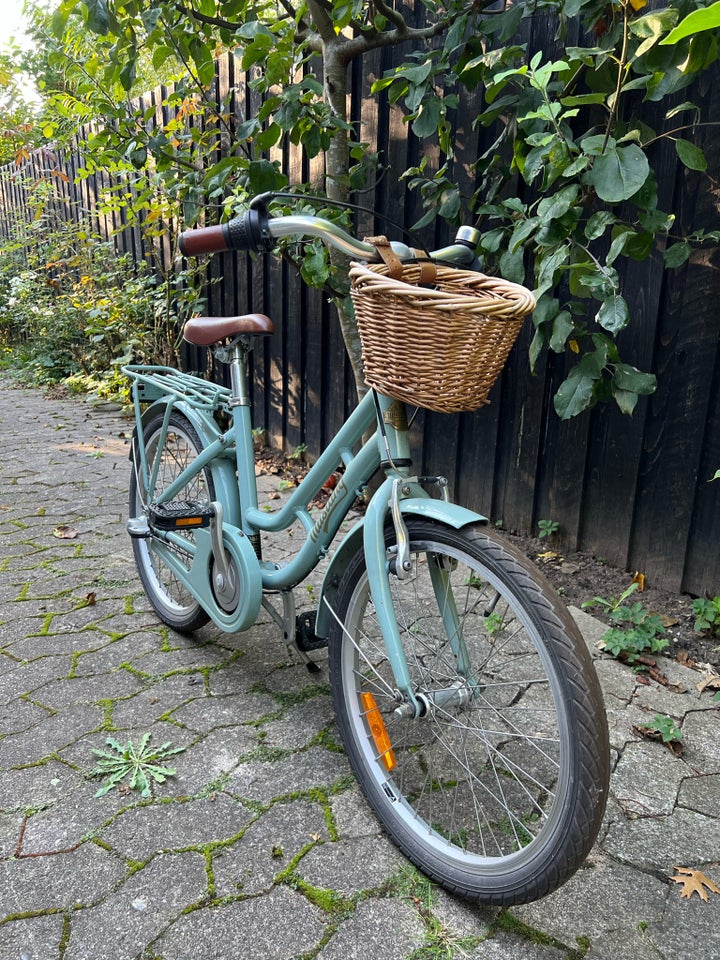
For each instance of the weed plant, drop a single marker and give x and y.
(636, 629)
(707, 615)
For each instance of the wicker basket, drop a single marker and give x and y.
(440, 347)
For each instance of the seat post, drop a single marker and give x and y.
(239, 373)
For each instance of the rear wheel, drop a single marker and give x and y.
(171, 452)
(497, 790)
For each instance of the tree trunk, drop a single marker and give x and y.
(337, 169)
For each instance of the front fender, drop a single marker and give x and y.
(450, 514)
(222, 470)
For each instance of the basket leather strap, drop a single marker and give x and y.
(387, 255)
(428, 270)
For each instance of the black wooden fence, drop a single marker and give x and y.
(635, 491)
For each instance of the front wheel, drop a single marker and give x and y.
(497, 789)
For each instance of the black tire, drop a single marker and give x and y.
(499, 796)
(169, 598)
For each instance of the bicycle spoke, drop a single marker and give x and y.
(481, 774)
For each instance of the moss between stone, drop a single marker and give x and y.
(507, 923)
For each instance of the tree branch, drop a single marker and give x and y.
(373, 39)
(322, 20)
(394, 16)
(204, 18)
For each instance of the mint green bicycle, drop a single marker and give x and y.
(465, 696)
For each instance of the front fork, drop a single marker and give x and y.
(384, 564)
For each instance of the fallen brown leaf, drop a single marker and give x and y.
(710, 681)
(65, 532)
(693, 881)
(674, 746)
(550, 556)
(639, 579)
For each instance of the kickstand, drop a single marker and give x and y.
(291, 627)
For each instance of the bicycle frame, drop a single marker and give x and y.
(242, 521)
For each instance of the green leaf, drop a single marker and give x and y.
(536, 345)
(428, 120)
(619, 173)
(161, 55)
(627, 377)
(98, 17)
(595, 144)
(677, 254)
(563, 326)
(419, 74)
(639, 245)
(690, 155)
(548, 268)
(613, 315)
(695, 22)
(681, 107)
(620, 241)
(268, 138)
(625, 399)
(127, 73)
(594, 363)
(522, 232)
(557, 205)
(598, 223)
(577, 166)
(264, 175)
(534, 163)
(575, 394)
(490, 241)
(203, 58)
(512, 266)
(585, 99)
(314, 267)
(450, 207)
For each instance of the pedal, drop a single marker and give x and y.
(305, 637)
(180, 515)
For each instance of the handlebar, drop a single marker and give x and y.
(255, 231)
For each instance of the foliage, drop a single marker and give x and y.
(72, 307)
(294, 112)
(18, 132)
(564, 189)
(666, 727)
(546, 528)
(639, 630)
(567, 185)
(707, 615)
(613, 603)
(138, 763)
(706, 18)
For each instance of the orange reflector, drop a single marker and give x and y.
(378, 731)
(188, 521)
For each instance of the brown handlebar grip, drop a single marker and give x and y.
(193, 243)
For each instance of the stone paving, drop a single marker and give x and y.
(261, 846)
